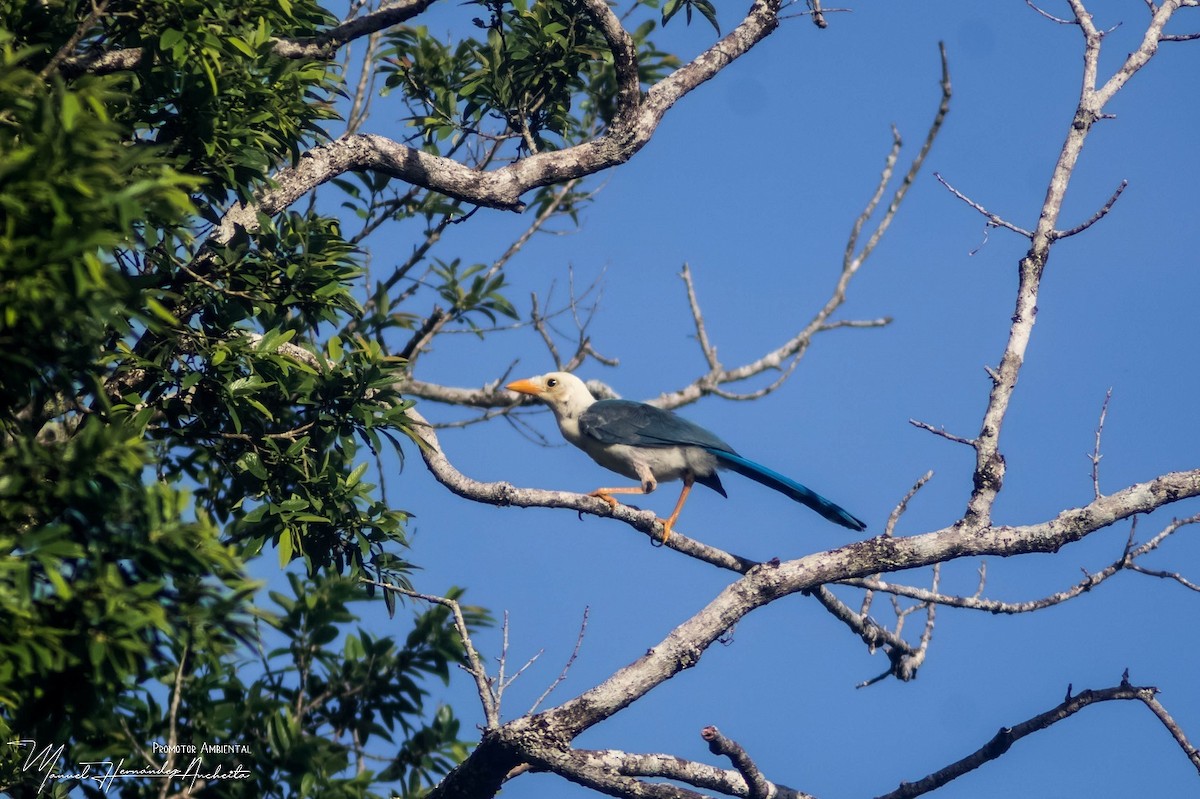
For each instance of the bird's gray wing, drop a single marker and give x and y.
(640, 425)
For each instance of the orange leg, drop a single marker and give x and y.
(669, 522)
(604, 493)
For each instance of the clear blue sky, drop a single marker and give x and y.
(755, 180)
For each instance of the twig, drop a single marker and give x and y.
(910, 665)
(718, 744)
(901, 506)
(818, 16)
(566, 667)
(1049, 16)
(364, 90)
(503, 683)
(539, 324)
(474, 667)
(861, 624)
(1096, 456)
(1166, 575)
(774, 385)
(941, 431)
(173, 719)
(917, 162)
(710, 352)
(982, 579)
(993, 219)
(849, 261)
(1096, 217)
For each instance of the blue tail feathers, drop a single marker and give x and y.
(785, 485)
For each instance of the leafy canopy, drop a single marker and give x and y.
(173, 406)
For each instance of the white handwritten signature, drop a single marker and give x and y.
(104, 773)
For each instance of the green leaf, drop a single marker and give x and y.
(160, 311)
(356, 475)
(241, 45)
(169, 38)
(285, 547)
(71, 109)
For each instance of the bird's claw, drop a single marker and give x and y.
(612, 503)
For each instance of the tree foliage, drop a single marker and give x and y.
(182, 399)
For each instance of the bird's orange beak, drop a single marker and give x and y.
(525, 387)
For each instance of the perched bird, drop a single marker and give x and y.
(652, 445)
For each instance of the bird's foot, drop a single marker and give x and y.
(606, 497)
(667, 527)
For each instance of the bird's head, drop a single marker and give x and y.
(562, 391)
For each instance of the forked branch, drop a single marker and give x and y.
(1003, 740)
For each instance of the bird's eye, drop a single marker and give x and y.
(552, 382)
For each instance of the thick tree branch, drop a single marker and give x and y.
(326, 44)
(323, 46)
(765, 583)
(632, 127)
(684, 646)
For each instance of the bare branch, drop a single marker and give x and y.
(1127, 562)
(1096, 217)
(360, 103)
(718, 744)
(818, 15)
(322, 47)
(566, 667)
(941, 431)
(710, 352)
(917, 162)
(1150, 700)
(1096, 456)
(861, 624)
(902, 505)
(1007, 736)
(602, 774)
(993, 219)
(487, 697)
(1049, 16)
(502, 681)
(795, 347)
(988, 477)
(634, 123)
(327, 43)
(173, 719)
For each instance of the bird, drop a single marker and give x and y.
(653, 445)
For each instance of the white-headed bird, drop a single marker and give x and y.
(652, 445)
